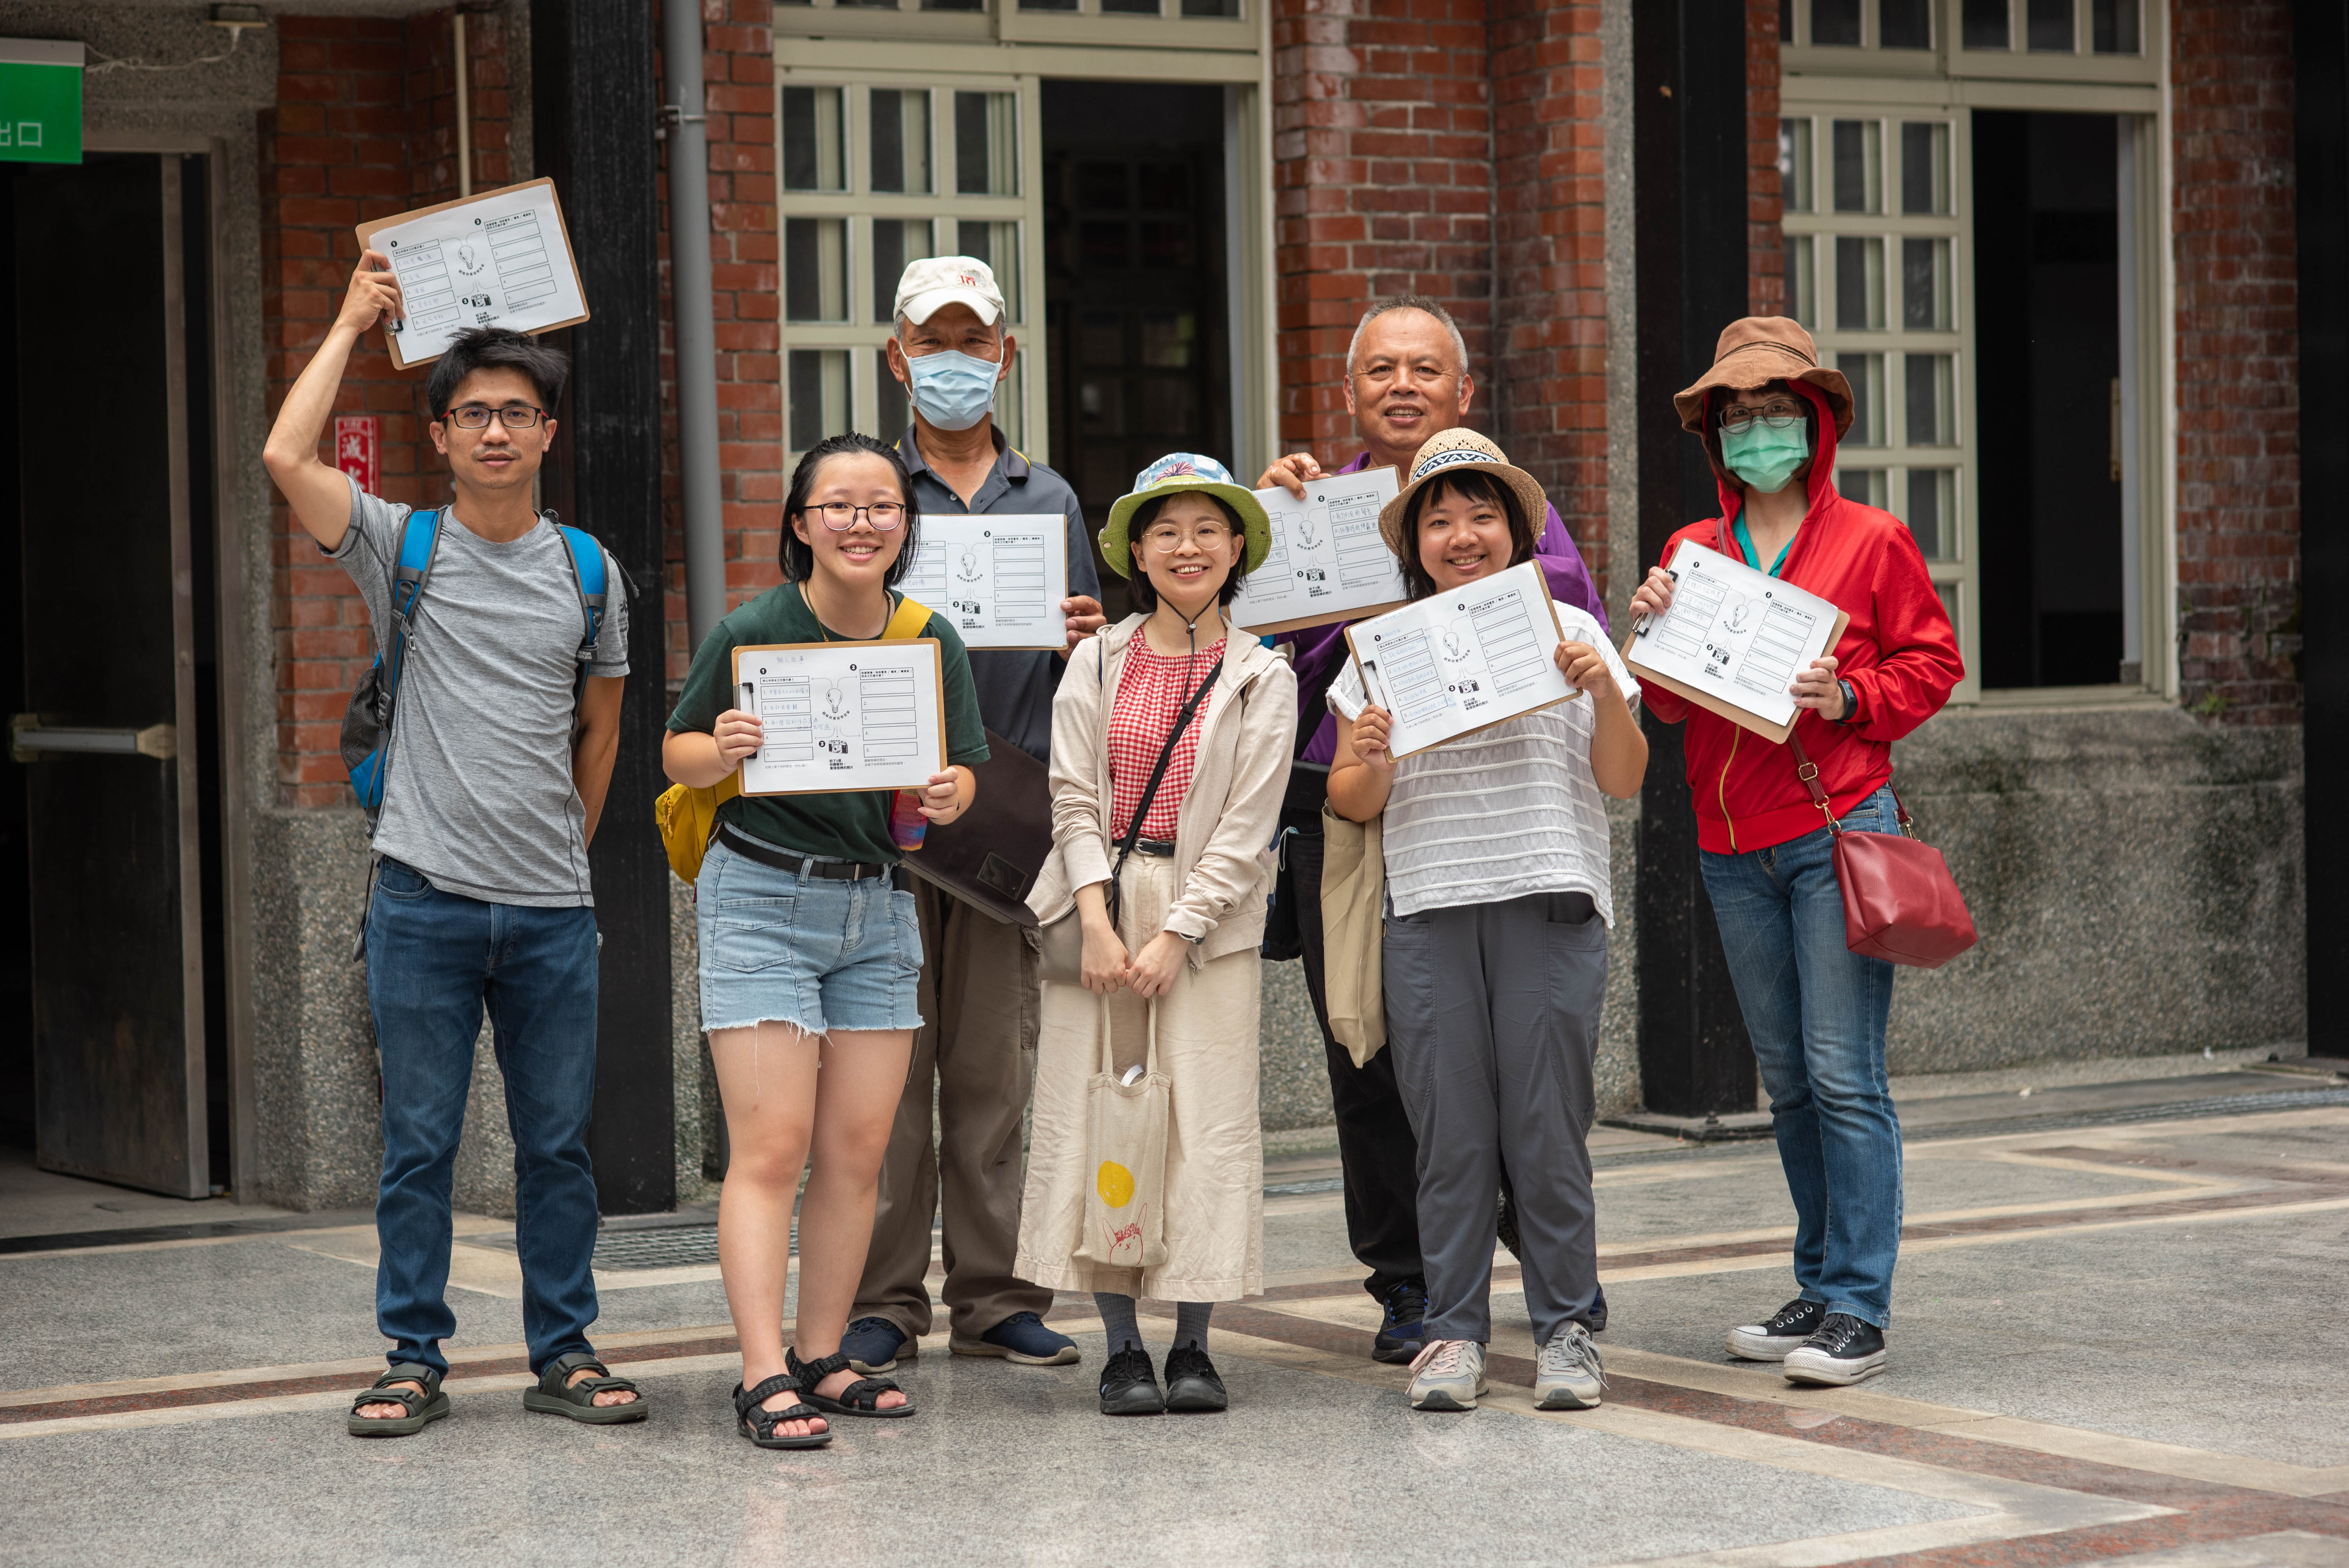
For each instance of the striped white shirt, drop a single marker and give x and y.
(1508, 811)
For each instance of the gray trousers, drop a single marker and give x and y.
(1492, 1017)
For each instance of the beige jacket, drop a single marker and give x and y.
(1223, 855)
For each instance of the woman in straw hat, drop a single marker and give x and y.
(1495, 944)
(1769, 416)
(1168, 884)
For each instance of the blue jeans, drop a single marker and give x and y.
(434, 960)
(1816, 1011)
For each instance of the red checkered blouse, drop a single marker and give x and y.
(1151, 691)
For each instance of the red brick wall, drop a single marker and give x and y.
(1382, 185)
(1764, 202)
(2237, 361)
(738, 69)
(365, 126)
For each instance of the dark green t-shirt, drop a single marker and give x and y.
(851, 825)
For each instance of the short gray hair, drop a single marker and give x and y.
(1409, 302)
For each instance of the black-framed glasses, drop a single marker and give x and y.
(475, 416)
(840, 517)
(1777, 414)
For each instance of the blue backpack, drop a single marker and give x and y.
(367, 721)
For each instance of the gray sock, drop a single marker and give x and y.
(1191, 1323)
(1117, 1319)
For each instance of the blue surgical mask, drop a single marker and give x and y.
(952, 391)
(1763, 457)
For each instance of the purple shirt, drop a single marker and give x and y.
(1321, 650)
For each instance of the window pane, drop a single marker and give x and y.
(1866, 373)
(1905, 23)
(1835, 21)
(812, 142)
(2113, 27)
(1786, 21)
(1984, 25)
(1948, 593)
(1932, 400)
(1933, 512)
(997, 244)
(1211, 7)
(954, 5)
(896, 413)
(1858, 166)
(1795, 165)
(1048, 5)
(1130, 8)
(819, 394)
(901, 141)
(1100, 403)
(2050, 26)
(1925, 166)
(1925, 285)
(986, 154)
(1859, 283)
(1011, 403)
(895, 241)
(1865, 486)
(815, 269)
(1803, 279)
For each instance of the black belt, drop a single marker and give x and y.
(1153, 846)
(814, 865)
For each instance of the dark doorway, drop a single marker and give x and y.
(1137, 299)
(2048, 363)
(110, 959)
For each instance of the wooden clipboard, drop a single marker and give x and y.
(367, 230)
(894, 645)
(1326, 617)
(1775, 734)
(1571, 693)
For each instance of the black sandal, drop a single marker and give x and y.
(555, 1396)
(759, 1423)
(422, 1409)
(861, 1398)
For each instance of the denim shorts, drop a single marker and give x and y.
(811, 952)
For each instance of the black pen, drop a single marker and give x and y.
(1640, 626)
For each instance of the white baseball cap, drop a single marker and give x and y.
(948, 280)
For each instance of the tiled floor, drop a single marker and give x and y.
(2117, 1342)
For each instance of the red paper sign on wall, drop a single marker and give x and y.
(357, 439)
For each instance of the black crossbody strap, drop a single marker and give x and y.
(1157, 776)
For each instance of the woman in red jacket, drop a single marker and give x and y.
(1769, 415)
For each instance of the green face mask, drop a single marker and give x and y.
(1763, 457)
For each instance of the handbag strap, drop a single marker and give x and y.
(1808, 772)
(1158, 774)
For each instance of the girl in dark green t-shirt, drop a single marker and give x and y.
(811, 954)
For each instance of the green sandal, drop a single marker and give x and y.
(423, 1408)
(556, 1396)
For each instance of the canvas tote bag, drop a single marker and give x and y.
(1353, 926)
(1125, 1201)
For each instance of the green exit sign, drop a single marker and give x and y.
(40, 101)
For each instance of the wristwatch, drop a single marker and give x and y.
(1850, 703)
(1194, 941)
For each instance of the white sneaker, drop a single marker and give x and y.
(1448, 1374)
(1568, 1376)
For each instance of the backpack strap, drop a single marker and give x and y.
(909, 620)
(420, 541)
(587, 574)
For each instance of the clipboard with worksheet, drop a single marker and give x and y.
(501, 258)
(1734, 640)
(999, 580)
(1328, 561)
(838, 716)
(1462, 660)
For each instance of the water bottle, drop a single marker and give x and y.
(906, 823)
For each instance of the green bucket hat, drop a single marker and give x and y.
(1170, 475)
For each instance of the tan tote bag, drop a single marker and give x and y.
(1353, 924)
(1125, 1201)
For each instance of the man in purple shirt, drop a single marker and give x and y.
(1406, 378)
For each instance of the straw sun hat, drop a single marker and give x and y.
(1460, 450)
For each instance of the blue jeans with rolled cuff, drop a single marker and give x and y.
(435, 960)
(1817, 1012)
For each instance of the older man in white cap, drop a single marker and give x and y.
(951, 350)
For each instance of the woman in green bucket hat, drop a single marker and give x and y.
(1168, 886)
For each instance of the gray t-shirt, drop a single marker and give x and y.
(478, 796)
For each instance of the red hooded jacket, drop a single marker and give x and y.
(1899, 652)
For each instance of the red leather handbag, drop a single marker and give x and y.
(1900, 901)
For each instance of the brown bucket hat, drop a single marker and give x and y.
(1450, 452)
(1759, 349)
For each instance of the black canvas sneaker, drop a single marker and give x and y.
(1843, 1350)
(1769, 1341)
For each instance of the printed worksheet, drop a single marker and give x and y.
(1733, 639)
(1328, 562)
(1462, 661)
(842, 715)
(499, 259)
(999, 580)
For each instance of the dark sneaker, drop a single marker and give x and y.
(1023, 1340)
(1771, 1340)
(1843, 1350)
(875, 1345)
(1400, 1336)
(1128, 1387)
(1191, 1380)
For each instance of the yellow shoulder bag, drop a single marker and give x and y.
(686, 818)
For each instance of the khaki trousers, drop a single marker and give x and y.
(978, 1046)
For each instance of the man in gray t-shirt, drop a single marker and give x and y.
(503, 733)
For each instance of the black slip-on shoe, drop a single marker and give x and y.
(1129, 1387)
(1843, 1350)
(1191, 1380)
(1402, 1331)
(1782, 1331)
